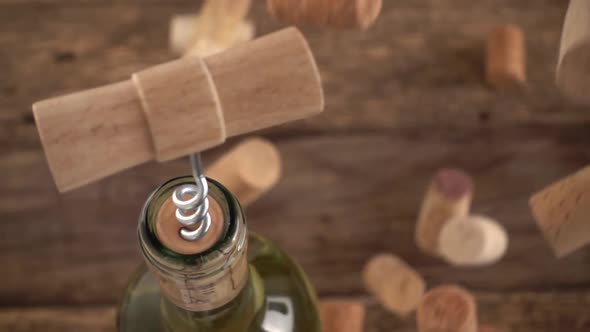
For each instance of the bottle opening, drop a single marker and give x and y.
(214, 275)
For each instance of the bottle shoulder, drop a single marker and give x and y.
(288, 300)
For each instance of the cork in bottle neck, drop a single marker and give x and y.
(197, 276)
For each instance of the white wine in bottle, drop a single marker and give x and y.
(241, 282)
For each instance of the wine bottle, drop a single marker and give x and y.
(242, 282)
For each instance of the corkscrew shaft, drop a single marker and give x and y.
(193, 210)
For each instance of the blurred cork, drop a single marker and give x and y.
(219, 25)
(342, 315)
(473, 241)
(447, 308)
(506, 57)
(397, 286)
(573, 77)
(449, 195)
(249, 170)
(562, 211)
(359, 14)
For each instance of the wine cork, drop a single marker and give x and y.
(506, 57)
(183, 40)
(168, 229)
(336, 13)
(219, 25)
(447, 308)
(561, 211)
(573, 76)
(342, 315)
(473, 240)
(177, 108)
(449, 195)
(397, 286)
(249, 170)
(182, 29)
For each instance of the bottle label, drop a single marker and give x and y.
(209, 292)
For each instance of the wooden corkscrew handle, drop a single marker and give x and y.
(177, 108)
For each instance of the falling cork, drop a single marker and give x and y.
(506, 57)
(449, 196)
(219, 25)
(573, 76)
(249, 170)
(342, 315)
(473, 241)
(562, 211)
(335, 13)
(447, 308)
(394, 283)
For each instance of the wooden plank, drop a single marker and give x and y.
(420, 65)
(92, 319)
(402, 100)
(516, 312)
(342, 199)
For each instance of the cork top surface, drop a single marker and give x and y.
(473, 240)
(395, 284)
(561, 211)
(453, 183)
(463, 238)
(446, 308)
(168, 229)
(549, 205)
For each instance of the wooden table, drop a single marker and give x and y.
(402, 100)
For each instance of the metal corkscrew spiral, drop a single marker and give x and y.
(195, 209)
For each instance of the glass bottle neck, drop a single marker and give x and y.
(204, 282)
(239, 313)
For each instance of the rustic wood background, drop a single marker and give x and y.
(402, 100)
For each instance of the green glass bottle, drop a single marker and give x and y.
(242, 283)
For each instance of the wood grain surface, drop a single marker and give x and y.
(402, 100)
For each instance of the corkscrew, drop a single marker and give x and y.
(153, 116)
(195, 209)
